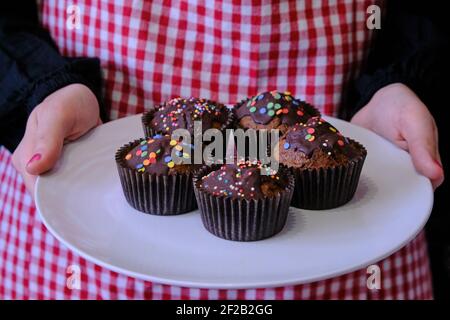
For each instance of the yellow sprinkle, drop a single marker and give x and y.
(173, 142)
(171, 164)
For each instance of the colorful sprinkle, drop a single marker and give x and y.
(167, 159)
(252, 109)
(286, 145)
(128, 156)
(262, 110)
(340, 143)
(270, 105)
(310, 130)
(146, 162)
(300, 113)
(277, 106)
(173, 142)
(271, 113)
(171, 164)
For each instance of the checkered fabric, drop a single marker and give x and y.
(223, 50)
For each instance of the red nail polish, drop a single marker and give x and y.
(36, 157)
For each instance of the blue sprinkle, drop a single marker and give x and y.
(262, 110)
(157, 136)
(144, 147)
(286, 145)
(260, 96)
(139, 165)
(167, 158)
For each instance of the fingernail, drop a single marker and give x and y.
(36, 157)
(438, 163)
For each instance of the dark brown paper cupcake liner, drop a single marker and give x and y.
(152, 193)
(327, 188)
(242, 219)
(147, 117)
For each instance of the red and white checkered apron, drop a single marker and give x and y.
(223, 50)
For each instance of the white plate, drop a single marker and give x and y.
(82, 204)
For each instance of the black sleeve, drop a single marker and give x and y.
(31, 68)
(412, 47)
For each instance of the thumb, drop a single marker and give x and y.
(47, 149)
(423, 147)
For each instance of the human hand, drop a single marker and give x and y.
(397, 114)
(65, 115)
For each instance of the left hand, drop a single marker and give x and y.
(397, 114)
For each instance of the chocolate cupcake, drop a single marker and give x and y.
(326, 165)
(272, 110)
(181, 113)
(151, 179)
(238, 202)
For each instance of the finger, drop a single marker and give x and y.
(422, 144)
(402, 144)
(19, 157)
(46, 150)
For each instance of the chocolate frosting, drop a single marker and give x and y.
(182, 112)
(315, 134)
(263, 107)
(154, 155)
(242, 180)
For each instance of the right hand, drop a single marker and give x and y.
(65, 115)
